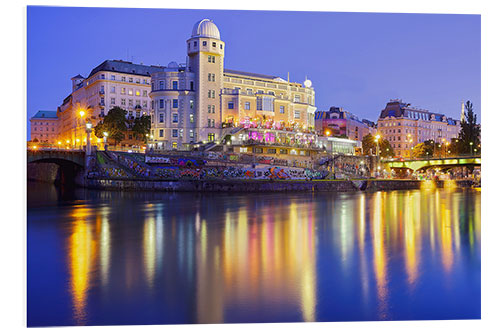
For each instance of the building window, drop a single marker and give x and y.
(102, 76)
(230, 105)
(175, 85)
(191, 85)
(162, 103)
(258, 150)
(191, 118)
(123, 91)
(204, 43)
(123, 78)
(144, 93)
(247, 105)
(211, 59)
(162, 85)
(113, 101)
(113, 77)
(191, 104)
(175, 118)
(191, 133)
(123, 102)
(296, 98)
(175, 133)
(211, 137)
(174, 145)
(175, 103)
(249, 91)
(137, 93)
(297, 114)
(282, 109)
(161, 118)
(145, 104)
(130, 103)
(283, 151)
(195, 44)
(130, 92)
(271, 150)
(161, 133)
(214, 44)
(131, 79)
(221, 46)
(113, 89)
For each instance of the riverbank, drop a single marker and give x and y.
(269, 185)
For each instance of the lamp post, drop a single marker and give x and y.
(89, 131)
(377, 138)
(105, 140)
(80, 124)
(470, 144)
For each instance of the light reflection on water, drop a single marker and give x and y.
(132, 258)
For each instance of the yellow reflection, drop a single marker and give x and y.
(104, 250)
(81, 262)
(446, 237)
(149, 250)
(411, 254)
(379, 254)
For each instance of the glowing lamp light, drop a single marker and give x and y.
(105, 133)
(67, 141)
(89, 125)
(77, 140)
(82, 113)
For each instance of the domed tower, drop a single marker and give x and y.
(206, 59)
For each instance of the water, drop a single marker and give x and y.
(107, 258)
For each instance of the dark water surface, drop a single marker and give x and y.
(103, 258)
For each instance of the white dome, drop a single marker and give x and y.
(172, 64)
(205, 28)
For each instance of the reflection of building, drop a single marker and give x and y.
(338, 122)
(44, 126)
(112, 83)
(404, 126)
(203, 101)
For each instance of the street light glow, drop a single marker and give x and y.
(82, 113)
(105, 133)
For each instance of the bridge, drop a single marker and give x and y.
(58, 156)
(71, 163)
(427, 163)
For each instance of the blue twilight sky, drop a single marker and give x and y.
(355, 60)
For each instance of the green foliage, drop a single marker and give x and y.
(368, 143)
(115, 123)
(141, 127)
(423, 149)
(470, 131)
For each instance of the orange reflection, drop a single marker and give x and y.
(81, 264)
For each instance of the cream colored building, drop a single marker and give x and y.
(405, 126)
(112, 83)
(201, 101)
(44, 127)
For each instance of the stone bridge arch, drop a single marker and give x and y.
(71, 165)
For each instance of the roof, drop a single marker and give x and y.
(205, 28)
(45, 115)
(120, 66)
(262, 76)
(77, 77)
(397, 108)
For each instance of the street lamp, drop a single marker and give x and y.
(105, 140)
(470, 144)
(89, 131)
(377, 138)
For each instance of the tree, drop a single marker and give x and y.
(385, 148)
(115, 123)
(423, 149)
(141, 127)
(470, 131)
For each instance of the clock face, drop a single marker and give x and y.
(308, 83)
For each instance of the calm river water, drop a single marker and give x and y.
(107, 258)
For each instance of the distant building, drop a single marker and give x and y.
(112, 83)
(44, 127)
(338, 122)
(405, 126)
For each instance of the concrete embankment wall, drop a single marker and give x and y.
(260, 186)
